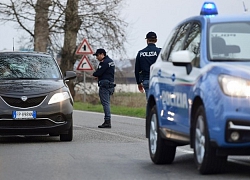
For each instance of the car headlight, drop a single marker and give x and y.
(234, 86)
(59, 97)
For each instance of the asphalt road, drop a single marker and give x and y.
(120, 153)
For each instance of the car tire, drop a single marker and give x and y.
(161, 151)
(68, 136)
(205, 157)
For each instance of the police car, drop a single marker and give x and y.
(199, 91)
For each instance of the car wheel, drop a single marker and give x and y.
(68, 136)
(205, 156)
(161, 151)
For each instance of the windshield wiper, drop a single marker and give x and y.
(26, 78)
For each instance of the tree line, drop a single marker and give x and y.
(60, 25)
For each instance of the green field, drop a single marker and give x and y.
(127, 104)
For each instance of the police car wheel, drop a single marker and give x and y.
(161, 151)
(205, 156)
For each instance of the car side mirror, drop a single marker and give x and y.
(183, 58)
(69, 75)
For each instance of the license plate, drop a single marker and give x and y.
(24, 114)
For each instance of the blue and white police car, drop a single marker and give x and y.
(199, 91)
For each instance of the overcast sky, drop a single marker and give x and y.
(143, 16)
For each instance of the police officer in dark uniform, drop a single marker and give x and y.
(105, 75)
(144, 59)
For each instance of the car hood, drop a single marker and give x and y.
(29, 87)
(235, 69)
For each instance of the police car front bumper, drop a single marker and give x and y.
(229, 127)
(237, 131)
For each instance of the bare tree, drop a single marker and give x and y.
(100, 21)
(41, 31)
(71, 28)
(62, 24)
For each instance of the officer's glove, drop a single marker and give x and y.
(140, 87)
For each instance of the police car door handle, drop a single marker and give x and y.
(173, 77)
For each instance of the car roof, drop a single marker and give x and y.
(220, 18)
(229, 18)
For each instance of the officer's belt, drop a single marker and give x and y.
(106, 84)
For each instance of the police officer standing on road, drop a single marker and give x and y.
(105, 75)
(144, 59)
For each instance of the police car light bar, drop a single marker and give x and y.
(209, 8)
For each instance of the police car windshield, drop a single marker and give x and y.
(229, 41)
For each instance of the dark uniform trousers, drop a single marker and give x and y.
(106, 89)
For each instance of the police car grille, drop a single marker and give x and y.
(18, 102)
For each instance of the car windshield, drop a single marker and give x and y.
(15, 66)
(229, 41)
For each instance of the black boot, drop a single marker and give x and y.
(106, 124)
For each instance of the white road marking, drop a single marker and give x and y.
(239, 162)
(113, 115)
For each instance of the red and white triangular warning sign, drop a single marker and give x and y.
(84, 64)
(84, 48)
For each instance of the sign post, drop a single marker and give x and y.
(84, 64)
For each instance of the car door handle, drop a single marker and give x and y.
(173, 77)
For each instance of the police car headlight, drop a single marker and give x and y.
(234, 86)
(59, 97)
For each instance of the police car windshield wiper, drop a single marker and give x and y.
(220, 60)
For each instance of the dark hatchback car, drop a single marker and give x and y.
(34, 96)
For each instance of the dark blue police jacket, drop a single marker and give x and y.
(144, 59)
(105, 70)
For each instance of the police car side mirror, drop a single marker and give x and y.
(183, 58)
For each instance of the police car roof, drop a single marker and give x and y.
(229, 18)
(219, 18)
(209, 14)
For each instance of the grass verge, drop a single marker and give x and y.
(126, 104)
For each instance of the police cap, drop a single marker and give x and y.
(100, 51)
(151, 35)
